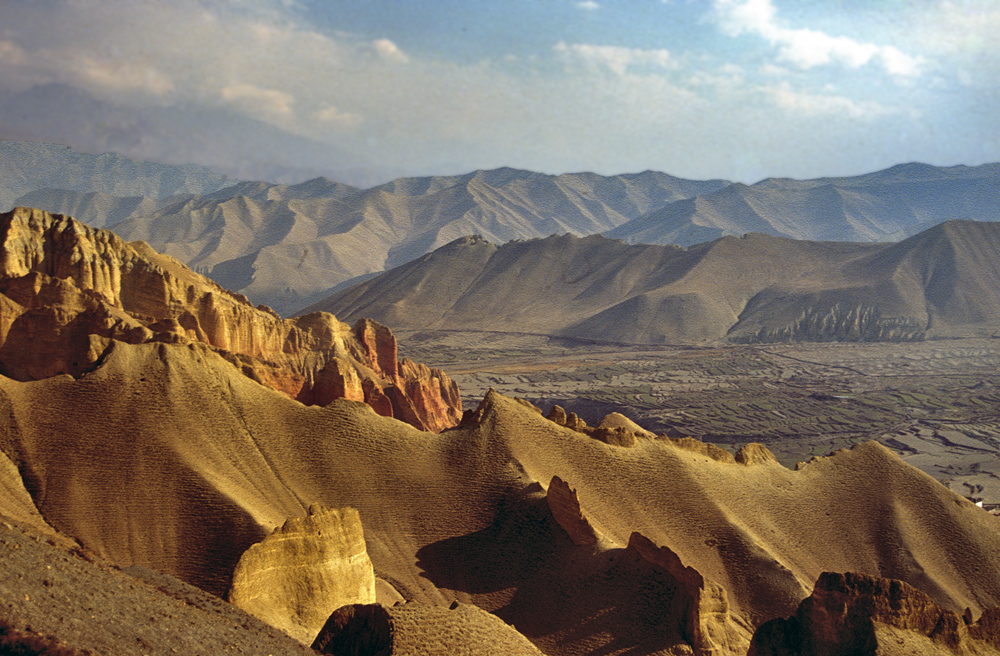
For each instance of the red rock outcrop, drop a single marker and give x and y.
(855, 613)
(68, 290)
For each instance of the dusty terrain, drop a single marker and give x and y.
(935, 403)
(165, 452)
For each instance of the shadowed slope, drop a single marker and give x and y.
(195, 462)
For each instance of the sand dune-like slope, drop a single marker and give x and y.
(166, 457)
(59, 600)
(889, 204)
(942, 282)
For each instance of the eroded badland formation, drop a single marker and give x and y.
(184, 472)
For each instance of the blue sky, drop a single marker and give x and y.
(735, 89)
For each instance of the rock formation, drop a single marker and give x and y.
(565, 507)
(415, 629)
(706, 623)
(305, 570)
(67, 291)
(851, 613)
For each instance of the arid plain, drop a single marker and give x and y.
(934, 402)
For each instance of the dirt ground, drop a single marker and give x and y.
(936, 403)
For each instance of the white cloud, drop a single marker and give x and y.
(333, 116)
(588, 5)
(12, 54)
(806, 48)
(390, 51)
(266, 102)
(617, 59)
(808, 104)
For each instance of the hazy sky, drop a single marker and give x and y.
(735, 89)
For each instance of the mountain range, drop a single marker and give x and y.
(159, 432)
(943, 282)
(291, 245)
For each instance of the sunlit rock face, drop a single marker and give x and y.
(68, 290)
(307, 568)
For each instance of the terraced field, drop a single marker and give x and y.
(937, 403)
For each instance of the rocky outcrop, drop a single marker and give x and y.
(706, 622)
(67, 291)
(615, 430)
(843, 322)
(415, 629)
(755, 453)
(854, 613)
(565, 507)
(305, 570)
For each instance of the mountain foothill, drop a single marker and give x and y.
(166, 444)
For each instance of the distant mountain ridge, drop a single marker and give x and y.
(881, 206)
(943, 282)
(290, 245)
(26, 167)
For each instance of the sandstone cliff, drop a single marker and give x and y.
(306, 569)
(67, 291)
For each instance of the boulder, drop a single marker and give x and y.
(305, 570)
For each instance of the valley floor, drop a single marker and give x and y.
(935, 402)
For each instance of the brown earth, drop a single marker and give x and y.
(67, 291)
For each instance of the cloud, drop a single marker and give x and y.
(335, 117)
(390, 51)
(266, 102)
(617, 59)
(588, 5)
(806, 48)
(812, 105)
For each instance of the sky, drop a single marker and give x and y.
(368, 90)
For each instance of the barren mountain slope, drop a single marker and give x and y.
(26, 167)
(881, 206)
(285, 249)
(194, 462)
(943, 282)
(164, 454)
(68, 292)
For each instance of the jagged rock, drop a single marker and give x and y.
(755, 454)
(305, 570)
(853, 613)
(573, 422)
(706, 623)
(558, 415)
(68, 290)
(415, 629)
(565, 507)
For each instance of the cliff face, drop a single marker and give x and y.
(67, 291)
(854, 613)
(304, 571)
